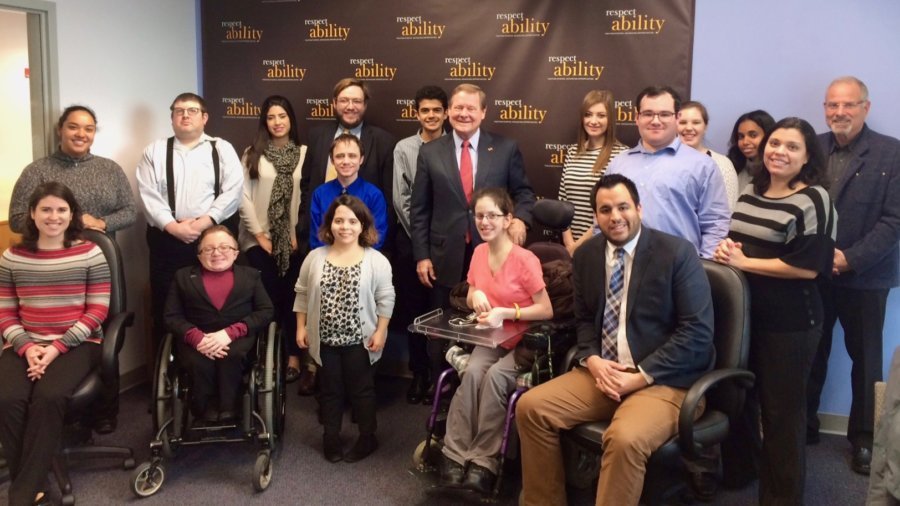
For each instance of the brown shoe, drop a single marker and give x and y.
(307, 382)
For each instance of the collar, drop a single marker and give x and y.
(628, 247)
(204, 138)
(671, 148)
(69, 160)
(350, 187)
(356, 131)
(473, 141)
(849, 147)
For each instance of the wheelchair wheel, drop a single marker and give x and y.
(273, 400)
(424, 461)
(262, 471)
(147, 479)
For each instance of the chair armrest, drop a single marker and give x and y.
(113, 340)
(569, 362)
(740, 377)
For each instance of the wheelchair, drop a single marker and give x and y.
(547, 341)
(261, 420)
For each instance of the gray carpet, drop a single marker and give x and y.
(223, 474)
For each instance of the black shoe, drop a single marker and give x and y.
(307, 382)
(452, 473)
(210, 415)
(292, 375)
(364, 446)
(479, 479)
(428, 398)
(812, 437)
(105, 425)
(333, 448)
(704, 486)
(417, 388)
(862, 460)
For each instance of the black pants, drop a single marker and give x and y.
(347, 372)
(32, 415)
(281, 290)
(412, 301)
(167, 255)
(215, 380)
(781, 362)
(861, 313)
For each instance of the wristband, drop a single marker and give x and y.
(518, 312)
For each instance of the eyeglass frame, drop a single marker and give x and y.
(649, 115)
(834, 106)
(190, 112)
(222, 248)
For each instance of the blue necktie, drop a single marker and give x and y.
(609, 348)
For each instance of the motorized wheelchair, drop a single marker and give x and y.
(547, 342)
(261, 420)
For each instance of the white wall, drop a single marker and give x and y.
(127, 59)
(780, 56)
(15, 124)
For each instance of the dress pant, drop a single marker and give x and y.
(781, 362)
(347, 372)
(167, 255)
(412, 301)
(640, 424)
(32, 414)
(861, 313)
(281, 290)
(478, 409)
(215, 380)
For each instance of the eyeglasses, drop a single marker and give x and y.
(833, 106)
(190, 111)
(347, 101)
(663, 116)
(489, 216)
(223, 249)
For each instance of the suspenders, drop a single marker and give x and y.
(170, 172)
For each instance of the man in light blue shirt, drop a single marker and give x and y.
(683, 193)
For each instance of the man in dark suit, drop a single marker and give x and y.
(864, 173)
(644, 323)
(349, 99)
(448, 171)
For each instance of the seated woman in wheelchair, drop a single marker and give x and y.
(54, 296)
(505, 283)
(214, 312)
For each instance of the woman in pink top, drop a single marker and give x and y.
(505, 283)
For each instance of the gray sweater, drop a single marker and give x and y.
(99, 185)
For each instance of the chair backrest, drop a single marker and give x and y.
(553, 214)
(117, 301)
(731, 334)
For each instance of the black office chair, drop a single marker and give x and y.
(553, 216)
(724, 387)
(91, 388)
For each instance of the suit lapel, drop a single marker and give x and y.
(643, 253)
(853, 166)
(197, 283)
(485, 159)
(239, 283)
(452, 167)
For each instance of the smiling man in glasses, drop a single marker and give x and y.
(864, 175)
(188, 183)
(683, 192)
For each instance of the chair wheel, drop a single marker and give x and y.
(262, 471)
(147, 479)
(128, 464)
(68, 500)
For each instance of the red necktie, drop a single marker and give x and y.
(465, 174)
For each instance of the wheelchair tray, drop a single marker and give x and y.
(437, 324)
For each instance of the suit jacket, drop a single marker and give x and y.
(669, 316)
(188, 304)
(867, 200)
(439, 213)
(377, 167)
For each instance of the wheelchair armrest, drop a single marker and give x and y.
(113, 339)
(569, 362)
(741, 377)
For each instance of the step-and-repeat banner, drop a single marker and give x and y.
(535, 60)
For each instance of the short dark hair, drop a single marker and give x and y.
(812, 172)
(186, 97)
(74, 108)
(369, 235)
(431, 92)
(213, 229)
(348, 138)
(73, 232)
(500, 197)
(657, 90)
(608, 181)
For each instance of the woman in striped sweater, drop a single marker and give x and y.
(587, 160)
(54, 294)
